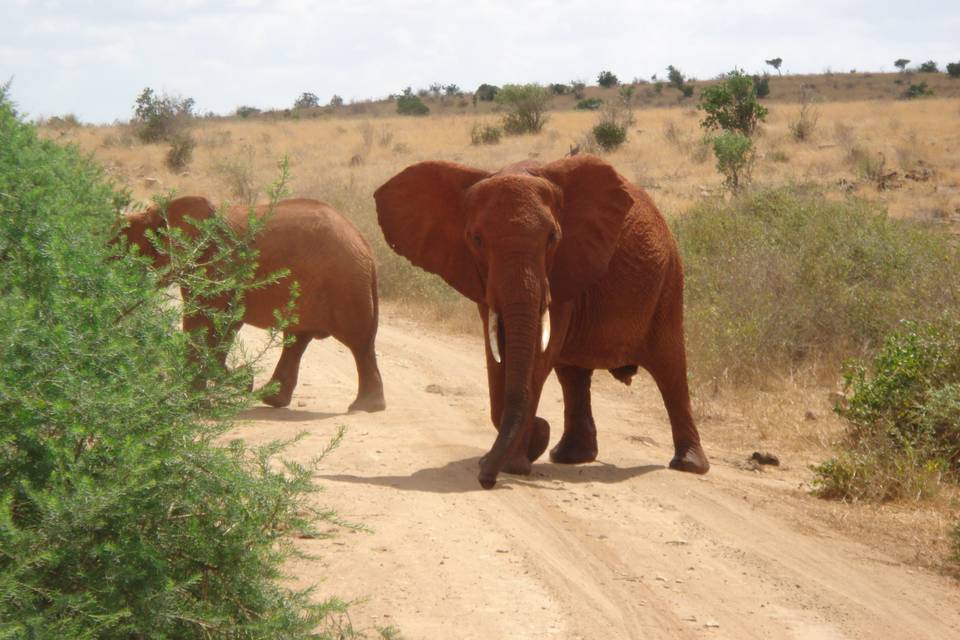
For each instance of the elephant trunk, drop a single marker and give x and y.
(522, 345)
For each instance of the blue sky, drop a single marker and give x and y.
(93, 58)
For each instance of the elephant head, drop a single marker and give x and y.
(515, 242)
(177, 215)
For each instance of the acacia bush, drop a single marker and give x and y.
(526, 107)
(484, 134)
(160, 117)
(903, 418)
(121, 513)
(785, 278)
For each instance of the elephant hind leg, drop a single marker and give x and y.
(668, 367)
(370, 384)
(579, 441)
(287, 370)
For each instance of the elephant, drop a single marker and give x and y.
(572, 269)
(323, 252)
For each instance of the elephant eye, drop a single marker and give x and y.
(477, 240)
(552, 239)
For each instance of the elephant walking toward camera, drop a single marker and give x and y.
(573, 269)
(325, 255)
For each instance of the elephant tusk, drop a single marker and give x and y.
(492, 330)
(545, 329)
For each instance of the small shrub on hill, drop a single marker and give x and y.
(785, 278)
(929, 67)
(918, 90)
(734, 153)
(180, 152)
(732, 105)
(953, 69)
(589, 104)
(409, 104)
(609, 135)
(485, 134)
(526, 106)
(160, 117)
(903, 417)
(486, 92)
(607, 79)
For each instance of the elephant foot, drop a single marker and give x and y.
(517, 465)
(370, 403)
(539, 440)
(691, 459)
(576, 447)
(279, 399)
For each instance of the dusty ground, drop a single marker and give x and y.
(622, 548)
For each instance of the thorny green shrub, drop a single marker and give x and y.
(903, 418)
(123, 514)
(526, 107)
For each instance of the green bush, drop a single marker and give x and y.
(181, 151)
(486, 92)
(953, 69)
(903, 417)
(121, 513)
(607, 79)
(409, 104)
(732, 105)
(929, 67)
(560, 89)
(160, 117)
(734, 153)
(589, 104)
(761, 85)
(526, 106)
(786, 278)
(918, 90)
(609, 135)
(484, 134)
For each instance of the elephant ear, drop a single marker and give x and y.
(420, 211)
(596, 199)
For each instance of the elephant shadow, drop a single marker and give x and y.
(285, 415)
(460, 476)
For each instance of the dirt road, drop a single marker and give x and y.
(622, 548)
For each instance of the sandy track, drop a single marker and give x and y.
(622, 548)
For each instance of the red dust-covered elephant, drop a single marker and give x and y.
(324, 253)
(572, 269)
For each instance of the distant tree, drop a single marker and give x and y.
(606, 79)
(626, 95)
(953, 68)
(675, 77)
(160, 117)
(486, 92)
(775, 63)
(686, 91)
(577, 87)
(929, 67)
(411, 105)
(901, 63)
(306, 100)
(246, 111)
(336, 101)
(436, 89)
(451, 90)
(559, 89)
(732, 105)
(526, 106)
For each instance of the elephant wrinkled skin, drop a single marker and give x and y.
(324, 253)
(572, 269)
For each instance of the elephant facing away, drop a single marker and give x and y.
(573, 269)
(324, 253)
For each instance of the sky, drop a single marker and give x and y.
(92, 58)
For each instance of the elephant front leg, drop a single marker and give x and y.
(287, 370)
(579, 441)
(535, 437)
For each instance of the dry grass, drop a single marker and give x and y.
(662, 152)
